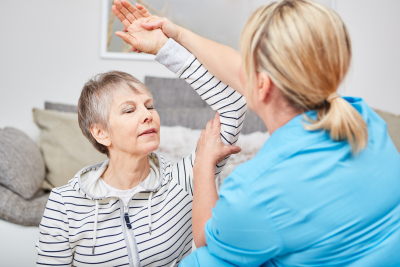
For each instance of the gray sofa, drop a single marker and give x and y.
(22, 168)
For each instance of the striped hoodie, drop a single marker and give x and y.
(86, 225)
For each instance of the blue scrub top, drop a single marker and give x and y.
(305, 200)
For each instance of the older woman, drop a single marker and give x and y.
(324, 189)
(134, 209)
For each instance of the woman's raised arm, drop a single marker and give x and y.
(221, 60)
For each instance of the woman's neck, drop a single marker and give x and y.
(126, 171)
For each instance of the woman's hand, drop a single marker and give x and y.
(210, 149)
(151, 22)
(139, 38)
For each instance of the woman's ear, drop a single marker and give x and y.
(101, 136)
(264, 85)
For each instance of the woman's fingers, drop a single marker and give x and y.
(127, 38)
(132, 10)
(121, 17)
(131, 18)
(143, 10)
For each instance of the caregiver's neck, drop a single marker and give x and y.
(274, 109)
(126, 171)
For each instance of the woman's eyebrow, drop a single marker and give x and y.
(149, 100)
(127, 102)
(134, 103)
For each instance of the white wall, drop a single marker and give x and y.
(50, 48)
(374, 28)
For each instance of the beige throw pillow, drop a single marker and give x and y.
(393, 126)
(65, 149)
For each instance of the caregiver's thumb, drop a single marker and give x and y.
(170, 29)
(228, 150)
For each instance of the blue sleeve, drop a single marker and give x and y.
(241, 230)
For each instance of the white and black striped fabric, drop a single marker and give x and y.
(67, 227)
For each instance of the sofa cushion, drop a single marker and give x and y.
(179, 105)
(21, 164)
(65, 149)
(393, 126)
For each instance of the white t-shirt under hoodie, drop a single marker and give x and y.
(126, 195)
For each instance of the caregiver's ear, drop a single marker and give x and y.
(101, 135)
(264, 86)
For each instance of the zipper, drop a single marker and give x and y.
(132, 246)
(126, 215)
(126, 234)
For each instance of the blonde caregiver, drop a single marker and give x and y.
(324, 189)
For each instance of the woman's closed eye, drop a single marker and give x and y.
(129, 110)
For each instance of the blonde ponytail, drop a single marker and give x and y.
(343, 121)
(305, 49)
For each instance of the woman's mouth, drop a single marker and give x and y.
(149, 132)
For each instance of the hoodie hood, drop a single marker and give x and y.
(87, 181)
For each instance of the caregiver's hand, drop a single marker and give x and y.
(139, 38)
(210, 151)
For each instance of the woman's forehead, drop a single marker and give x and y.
(127, 94)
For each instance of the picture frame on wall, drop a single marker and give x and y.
(221, 21)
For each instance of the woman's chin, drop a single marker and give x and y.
(153, 146)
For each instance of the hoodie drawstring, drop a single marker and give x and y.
(96, 213)
(149, 209)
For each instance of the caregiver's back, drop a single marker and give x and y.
(325, 188)
(314, 203)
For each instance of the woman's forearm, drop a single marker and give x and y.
(204, 198)
(221, 60)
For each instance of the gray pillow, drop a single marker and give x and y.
(179, 105)
(18, 210)
(22, 168)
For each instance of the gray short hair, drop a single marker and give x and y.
(96, 99)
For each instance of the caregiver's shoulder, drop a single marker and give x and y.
(292, 150)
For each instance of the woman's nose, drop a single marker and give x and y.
(147, 115)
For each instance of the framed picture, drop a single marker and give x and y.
(221, 21)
